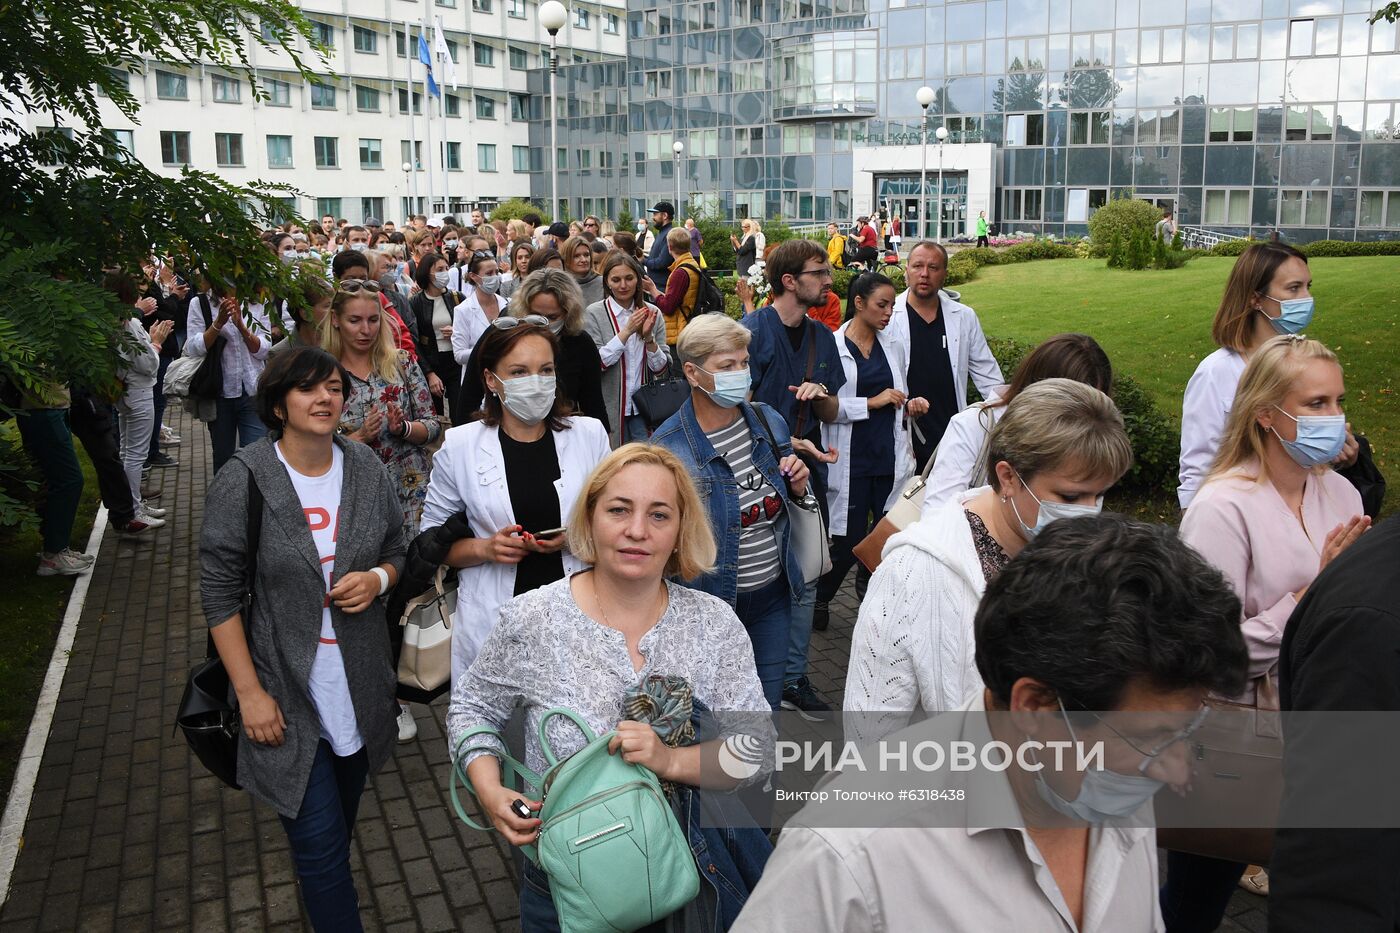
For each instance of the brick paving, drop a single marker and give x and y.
(127, 832)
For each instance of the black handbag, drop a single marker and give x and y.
(657, 399)
(208, 379)
(206, 716)
(1367, 478)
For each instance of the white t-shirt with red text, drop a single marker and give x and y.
(330, 691)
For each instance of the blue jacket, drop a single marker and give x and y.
(714, 480)
(658, 261)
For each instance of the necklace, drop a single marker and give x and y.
(598, 600)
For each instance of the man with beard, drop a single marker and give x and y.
(945, 343)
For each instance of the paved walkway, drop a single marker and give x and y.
(127, 832)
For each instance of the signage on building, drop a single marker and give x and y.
(862, 138)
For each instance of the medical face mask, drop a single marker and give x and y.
(731, 387)
(1050, 511)
(449, 244)
(556, 327)
(303, 254)
(1320, 438)
(359, 247)
(529, 398)
(1294, 315)
(490, 283)
(440, 279)
(289, 256)
(1104, 795)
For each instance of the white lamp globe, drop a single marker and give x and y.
(941, 133)
(678, 147)
(924, 96)
(553, 15)
(408, 166)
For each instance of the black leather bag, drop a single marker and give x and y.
(1367, 478)
(206, 716)
(658, 399)
(208, 380)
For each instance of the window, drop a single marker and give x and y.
(701, 79)
(481, 6)
(1084, 201)
(279, 152)
(326, 206)
(519, 107)
(484, 55)
(485, 108)
(50, 131)
(172, 86)
(268, 31)
(1025, 54)
(1089, 128)
(1226, 206)
(174, 147)
(610, 23)
(585, 160)
(796, 139)
(581, 18)
(486, 157)
(371, 207)
(1231, 124)
(1309, 121)
(962, 129)
(1160, 46)
(400, 44)
(454, 156)
(323, 34)
(1314, 36)
(403, 101)
(366, 99)
(126, 141)
(228, 149)
(658, 83)
(417, 158)
(279, 93)
(964, 58)
(516, 9)
(447, 3)
(118, 77)
(451, 49)
(327, 152)
(1379, 209)
(1302, 208)
(520, 159)
(1228, 43)
(1021, 203)
(322, 96)
(1157, 126)
(519, 59)
(1092, 50)
(452, 105)
(366, 40)
(226, 90)
(748, 140)
(749, 76)
(1025, 129)
(371, 153)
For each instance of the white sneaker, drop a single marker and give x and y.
(78, 555)
(60, 564)
(408, 728)
(150, 511)
(150, 521)
(169, 438)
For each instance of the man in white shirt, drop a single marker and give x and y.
(1097, 613)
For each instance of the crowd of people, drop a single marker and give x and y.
(500, 379)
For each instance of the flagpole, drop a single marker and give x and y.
(447, 70)
(427, 123)
(442, 111)
(412, 127)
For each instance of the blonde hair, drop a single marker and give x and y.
(384, 355)
(1272, 370)
(1057, 423)
(695, 543)
(709, 334)
(556, 282)
(678, 240)
(517, 230)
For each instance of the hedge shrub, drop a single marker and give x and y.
(1231, 247)
(1348, 248)
(516, 208)
(1124, 217)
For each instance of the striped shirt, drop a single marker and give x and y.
(759, 505)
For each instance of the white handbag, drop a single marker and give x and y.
(426, 659)
(809, 537)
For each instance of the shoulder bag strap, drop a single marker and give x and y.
(805, 407)
(252, 535)
(768, 430)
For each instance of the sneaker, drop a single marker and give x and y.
(60, 564)
(149, 511)
(169, 438)
(408, 727)
(78, 555)
(1257, 883)
(162, 461)
(821, 617)
(802, 698)
(136, 526)
(149, 520)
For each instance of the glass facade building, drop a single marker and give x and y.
(1246, 115)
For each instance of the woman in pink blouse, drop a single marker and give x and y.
(1270, 515)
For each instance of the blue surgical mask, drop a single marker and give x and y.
(440, 279)
(1103, 795)
(1050, 511)
(1294, 315)
(359, 247)
(731, 387)
(1320, 438)
(490, 284)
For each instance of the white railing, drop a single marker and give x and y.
(1203, 238)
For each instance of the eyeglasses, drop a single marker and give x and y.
(1149, 755)
(590, 224)
(351, 286)
(821, 273)
(506, 323)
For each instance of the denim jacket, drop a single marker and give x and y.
(714, 480)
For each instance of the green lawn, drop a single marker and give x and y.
(1155, 326)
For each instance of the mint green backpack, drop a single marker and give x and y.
(616, 857)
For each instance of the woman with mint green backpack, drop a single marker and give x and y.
(632, 656)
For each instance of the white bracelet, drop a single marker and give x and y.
(383, 576)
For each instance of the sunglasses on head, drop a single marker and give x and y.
(506, 323)
(351, 286)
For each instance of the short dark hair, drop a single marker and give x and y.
(495, 345)
(531, 218)
(788, 259)
(352, 228)
(423, 271)
(1094, 603)
(348, 259)
(122, 284)
(298, 367)
(541, 258)
(929, 244)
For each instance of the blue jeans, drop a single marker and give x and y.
(800, 634)
(49, 443)
(634, 428)
(320, 838)
(767, 614)
(1197, 891)
(235, 425)
(158, 396)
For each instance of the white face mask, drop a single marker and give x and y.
(449, 244)
(529, 398)
(289, 255)
(489, 284)
(359, 247)
(440, 279)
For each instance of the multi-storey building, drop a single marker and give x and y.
(1246, 115)
(344, 140)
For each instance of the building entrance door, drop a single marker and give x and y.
(901, 193)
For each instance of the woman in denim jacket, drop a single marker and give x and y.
(741, 458)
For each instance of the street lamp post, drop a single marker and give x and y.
(924, 96)
(942, 134)
(678, 147)
(408, 187)
(553, 15)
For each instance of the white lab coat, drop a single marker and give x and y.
(852, 408)
(957, 463)
(967, 345)
(1209, 396)
(469, 475)
(468, 324)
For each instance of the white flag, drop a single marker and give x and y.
(449, 67)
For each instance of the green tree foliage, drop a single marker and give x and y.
(714, 238)
(516, 208)
(1116, 253)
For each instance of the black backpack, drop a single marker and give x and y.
(708, 298)
(850, 253)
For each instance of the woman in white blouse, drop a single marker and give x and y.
(631, 338)
(481, 306)
(960, 460)
(1060, 446)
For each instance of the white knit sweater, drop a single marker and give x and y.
(913, 646)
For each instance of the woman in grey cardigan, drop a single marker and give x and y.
(631, 339)
(311, 669)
